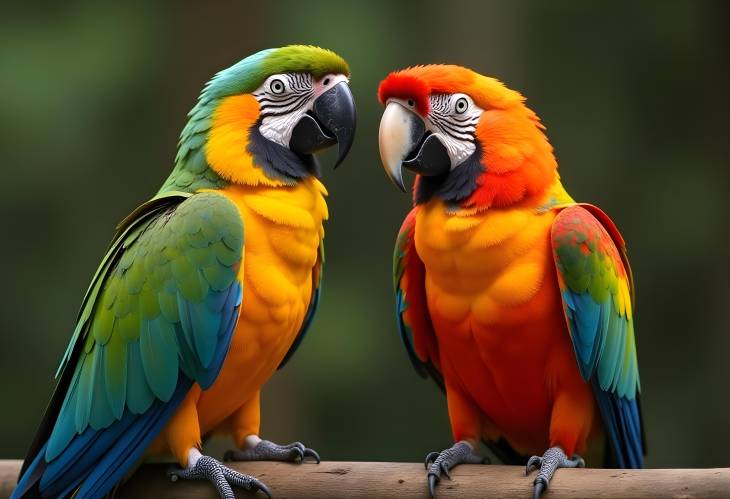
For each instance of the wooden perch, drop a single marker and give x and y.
(406, 480)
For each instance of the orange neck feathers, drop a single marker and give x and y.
(518, 160)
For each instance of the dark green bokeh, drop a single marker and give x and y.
(635, 98)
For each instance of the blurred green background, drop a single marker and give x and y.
(635, 96)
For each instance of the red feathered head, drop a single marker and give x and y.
(470, 139)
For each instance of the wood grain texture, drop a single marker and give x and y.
(408, 480)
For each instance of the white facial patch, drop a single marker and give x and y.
(453, 119)
(285, 98)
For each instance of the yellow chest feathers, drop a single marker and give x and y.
(283, 229)
(497, 254)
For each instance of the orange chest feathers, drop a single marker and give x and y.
(495, 305)
(485, 268)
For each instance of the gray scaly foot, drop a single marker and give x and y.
(269, 451)
(553, 459)
(222, 477)
(438, 463)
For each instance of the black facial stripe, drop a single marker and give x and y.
(440, 100)
(454, 122)
(289, 100)
(265, 113)
(285, 101)
(278, 101)
(300, 81)
(460, 137)
(454, 133)
(295, 82)
(279, 110)
(465, 119)
(455, 130)
(459, 132)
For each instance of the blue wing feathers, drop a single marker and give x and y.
(623, 426)
(96, 460)
(587, 320)
(131, 445)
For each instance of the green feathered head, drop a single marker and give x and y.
(260, 120)
(247, 75)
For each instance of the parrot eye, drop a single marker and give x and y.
(461, 105)
(276, 86)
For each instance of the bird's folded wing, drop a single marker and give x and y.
(597, 291)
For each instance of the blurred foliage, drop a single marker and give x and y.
(635, 98)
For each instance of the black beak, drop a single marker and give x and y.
(429, 158)
(332, 120)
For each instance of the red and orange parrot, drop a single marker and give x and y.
(206, 289)
(516, 299)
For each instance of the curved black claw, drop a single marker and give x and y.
(222, 477)
(269, 451)
(553, 459)
(440, 463)
(538, 488)
(430, 458)
(432, 481)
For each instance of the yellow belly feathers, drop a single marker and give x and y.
(283, 231)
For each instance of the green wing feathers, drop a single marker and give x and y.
(162, 303)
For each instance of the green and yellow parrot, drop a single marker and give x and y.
(206, 289)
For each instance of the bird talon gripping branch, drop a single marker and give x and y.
(269, 451)
(548, 463)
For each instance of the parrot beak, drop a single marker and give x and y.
(405, 142)
(331, 121)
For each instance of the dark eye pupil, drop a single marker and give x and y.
(461, 105)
